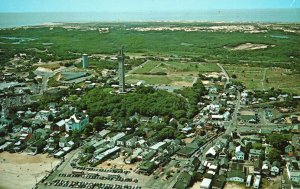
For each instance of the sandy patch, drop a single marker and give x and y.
(196, 185)
(205, 82)
(182, 84)
(42, 69)
(188, 140)
(214, 74)
(233, 186)
(250, 46)
(222, 28)
(22, 167)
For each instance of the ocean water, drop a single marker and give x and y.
(8, 20)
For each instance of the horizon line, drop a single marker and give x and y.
(148, 11)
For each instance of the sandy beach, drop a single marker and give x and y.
(21, 171)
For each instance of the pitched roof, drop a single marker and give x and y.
(183, 180)
(219, 181)
(236, 173)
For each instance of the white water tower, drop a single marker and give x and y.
(85, 61)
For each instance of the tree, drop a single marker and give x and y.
(165, 133)
(183, 120)
(179, 114)
(257, 146)
(99, 123)
(40, 145)
(274, 155)
(50, 117)
(234, 76)
(248, 146)
(76, 136)
(202, 133)
(145, 90)
(88, 129)
(90, 149)
(278, 141)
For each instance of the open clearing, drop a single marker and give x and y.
(13, 167)
(173, 73)
(259, 78)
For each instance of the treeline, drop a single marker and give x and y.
(193, 95)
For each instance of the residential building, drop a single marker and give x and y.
(183, 181)
(76, 122)
(293, 171)
(275, 169)
(254, 154)
(266, 167)
(239, 153)
(218, 182)
(42, 115)
(257, 167)
(236, 176)
(289, 149)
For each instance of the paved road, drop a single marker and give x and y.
(226, 74)
(46, 78)
(233, 122)
(135, 68)
(230, 128)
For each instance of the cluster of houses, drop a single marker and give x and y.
(38, 132)
(225, 162)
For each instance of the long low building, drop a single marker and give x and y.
(4, 146)
(107, 153)
(158, 146)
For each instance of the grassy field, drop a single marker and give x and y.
(176, 73)
(148, 67)
(283, 79)
(265, 78)
(251, 77)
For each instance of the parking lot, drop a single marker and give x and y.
(111, 177)
(71, 175)
(88, 185)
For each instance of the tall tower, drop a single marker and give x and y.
(121, 72)
(85, 61)
(3, 111)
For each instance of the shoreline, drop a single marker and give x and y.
(54, 24)
(267, 16)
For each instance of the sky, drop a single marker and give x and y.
(138, 5)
